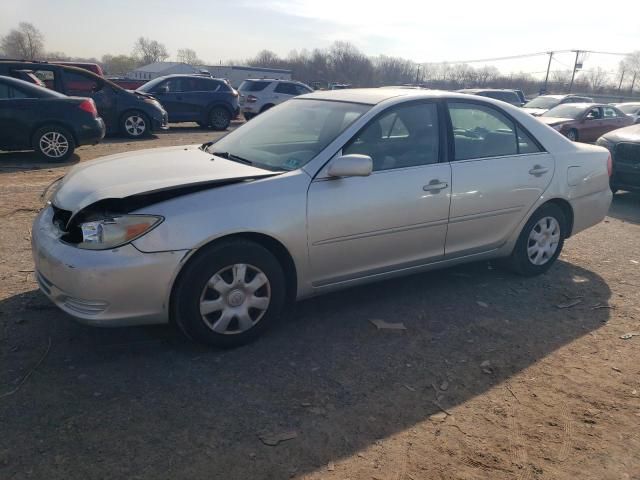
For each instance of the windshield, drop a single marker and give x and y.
(542, 102)
(629, 108)
(566, 111)
(288, 136)
(150, 85)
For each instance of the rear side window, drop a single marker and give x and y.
(7, 92)
(78, 84)
(610, 112)
(253, 85)
(481, 132)
(526, 144)
(286, 89)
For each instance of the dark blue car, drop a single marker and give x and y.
(210, 102)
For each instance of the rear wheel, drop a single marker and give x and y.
(229, 293)
(540, 242)
(219, 118)
(572, 135)
(54, 143)
(135, 125)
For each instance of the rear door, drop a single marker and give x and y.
(284, 91)
(498, 172)
(614, 119)
(16, 117)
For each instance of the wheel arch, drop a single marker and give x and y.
(566, 208)
(267, 106)
(56, 123)
(274, 246)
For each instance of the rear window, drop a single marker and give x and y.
(253, 85)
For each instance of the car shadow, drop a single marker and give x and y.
(22, 161)
(626, 206)
(144, 402)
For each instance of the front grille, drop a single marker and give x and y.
(61, 218)
(628, 153)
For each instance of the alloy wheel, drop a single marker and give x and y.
(235, 299)
(135, 125)
(54, 144)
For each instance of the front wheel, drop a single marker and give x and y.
(228, 294)
(540, 242)
(54, 143)
(135, 125)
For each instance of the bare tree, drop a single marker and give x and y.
(189, 56)
(596, 78)
(25, 42)
(119, 64)
(149, 51)
(266, 59)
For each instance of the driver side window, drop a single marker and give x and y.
(405, 136)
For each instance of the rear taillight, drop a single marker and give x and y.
(251, 99)
(89, 106)
(610, 165)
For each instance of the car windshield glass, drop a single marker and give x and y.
(290, 135)
(542, 102)
(566, 111)
(629, 108)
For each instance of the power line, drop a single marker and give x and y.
(527, 55)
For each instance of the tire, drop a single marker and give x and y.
(248, 116)
(231, 321)
(54, 143)
(572, 135)
(266, 107)
(528, 263)
(219, 118)
(135, 124)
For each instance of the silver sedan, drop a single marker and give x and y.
(326, 191)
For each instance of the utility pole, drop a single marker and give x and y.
(621, 79)
(546, 79)
(575, 67)
(418, 75)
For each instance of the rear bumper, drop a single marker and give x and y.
(107, 288)
(91, 133)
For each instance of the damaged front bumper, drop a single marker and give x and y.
(117, 287)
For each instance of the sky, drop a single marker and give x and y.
(419, 30)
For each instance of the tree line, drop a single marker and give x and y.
(342, 62)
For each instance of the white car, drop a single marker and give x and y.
(631, 109)
(258, 95)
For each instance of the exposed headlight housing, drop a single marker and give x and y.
(116, 231)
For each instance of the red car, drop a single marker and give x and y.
(585, 122)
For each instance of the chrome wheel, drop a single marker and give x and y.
(235, 299)
(543, 240)
(135, 125)
(54, 144)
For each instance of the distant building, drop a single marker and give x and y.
(237, 74)
(160, 69)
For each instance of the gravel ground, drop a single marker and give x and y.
(491, 379)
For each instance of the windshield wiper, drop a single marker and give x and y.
(231, 156)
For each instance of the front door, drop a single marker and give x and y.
(593, 125)
(498, 173)
(396, 217)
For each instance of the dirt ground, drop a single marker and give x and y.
(491, 380)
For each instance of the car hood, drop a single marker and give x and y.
(555, 120)
(148, 171)
(536, 112)
(626, 134)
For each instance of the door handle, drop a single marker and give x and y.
(434, 186)
(538, 170)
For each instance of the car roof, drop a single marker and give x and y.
(373, 96)
(37, 65)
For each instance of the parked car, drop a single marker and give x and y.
(132, 114)
(257, 96)
(521, 96)
(327, 191)
(624, 145)
(541, 104)
(630, 108)
(585, 122)
(210, 102)
(52, 124)
(509, 96)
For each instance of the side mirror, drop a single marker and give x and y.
(353, 165)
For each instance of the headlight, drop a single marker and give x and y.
(114, 232)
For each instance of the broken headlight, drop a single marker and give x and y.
(116, 231)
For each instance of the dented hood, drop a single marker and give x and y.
(147, 171)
